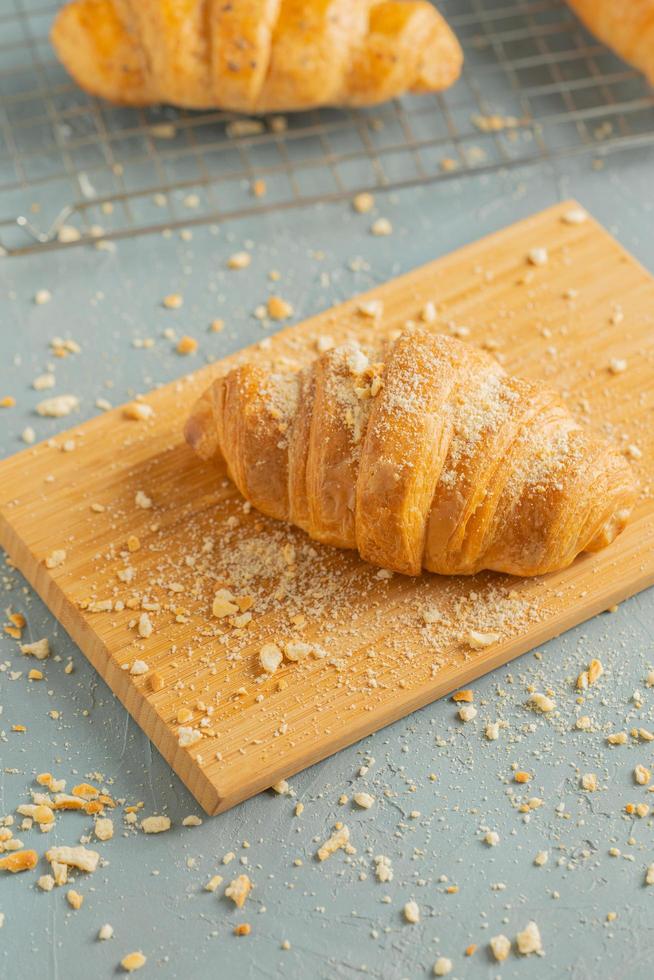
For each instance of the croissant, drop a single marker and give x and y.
(255, 55)
(423, 455)
(627, 26)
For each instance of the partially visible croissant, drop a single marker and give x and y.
(430, 458)
(627, 26)
(255, 55)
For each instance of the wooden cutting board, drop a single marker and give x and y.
(383, 646)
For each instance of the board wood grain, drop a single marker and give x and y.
(382, 646)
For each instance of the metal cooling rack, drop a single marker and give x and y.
(535, 87)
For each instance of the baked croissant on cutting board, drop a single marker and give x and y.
(627, 26)
(255, 55)
(422, 455)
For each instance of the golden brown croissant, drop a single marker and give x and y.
(627, 26)
(255, 55)
(430, 458)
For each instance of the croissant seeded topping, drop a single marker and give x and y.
(255, 55)
(423, 455)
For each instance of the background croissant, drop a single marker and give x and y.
(255, 55)
(433, 458)
(625, 25)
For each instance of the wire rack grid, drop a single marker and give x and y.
(535, 87)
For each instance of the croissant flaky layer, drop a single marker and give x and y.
(255, 55)
(423, 455)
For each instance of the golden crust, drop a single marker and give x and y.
(255, 55)
(627, 26)
(93, 41)
(434, 459)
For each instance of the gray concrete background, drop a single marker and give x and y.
(334, 915)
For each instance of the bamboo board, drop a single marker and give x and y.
(386, 645)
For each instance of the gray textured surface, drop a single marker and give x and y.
(334, 914)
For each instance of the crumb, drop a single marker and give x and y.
(278, 308)
(239, 260)
(238, 890)
(138, 411)
(39, 649)
(617, 365)
(363, 203)
(381, 226)
(383, 868)
(372, 309)
(480, 641)
(57, 407)
(448, 165)
(186, 737)
(213, 883)
(133, 961)
(467, 712)
(529, 941)
(442, 966)
(618, 738)
(173, 301)
(296, 650)
(43, 381)
(412, 912)
(540, 702)
(575, 216)
(105, 932)
(67, 234)
(270, 657)
(537, 256)
(74, 899)
(642, 775)
(244, 127)
(104, 828)
(589, 676)
(74, 857)
(428, 312)
(364, 800)
(223, 604)
(340, 838)
(155, 825)
(18, 861)
(145, 627)
(186, 345)
(500, 947)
